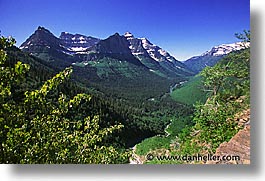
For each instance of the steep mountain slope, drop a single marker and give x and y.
(41, 39)
(155, 58)
(44, 45)
(116, 47)
(111, 67)
(211, 57)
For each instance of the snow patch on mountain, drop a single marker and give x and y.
(128, 35)
(225, 49)
(78, 49)
(76, 43)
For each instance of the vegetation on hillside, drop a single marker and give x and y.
(50, 118)
(140, 119)
(228, 86)
(43, 128)
(229, 82)
(191, 92)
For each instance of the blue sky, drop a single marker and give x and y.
(182, 27)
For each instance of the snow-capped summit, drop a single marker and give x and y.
(212, 56)
(224, 49)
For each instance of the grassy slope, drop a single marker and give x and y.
(153, 143)
(163, 141)
(190, 93)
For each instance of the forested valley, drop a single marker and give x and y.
(76, 114)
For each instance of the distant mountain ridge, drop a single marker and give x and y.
(84, 49)
(109, 66)
(212, 56)
(76, 48)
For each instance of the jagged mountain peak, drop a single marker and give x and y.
(41, 28)
(153, 55)
(66, 43)
(42, 31)
(142, 46)
(113, 44)
(117, 47)
(116, 34)
(42, 37)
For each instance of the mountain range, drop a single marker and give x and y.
(120, 64)
(110, 65)
(128, 77)
(138, 51)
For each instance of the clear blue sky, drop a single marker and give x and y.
(182, 27)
